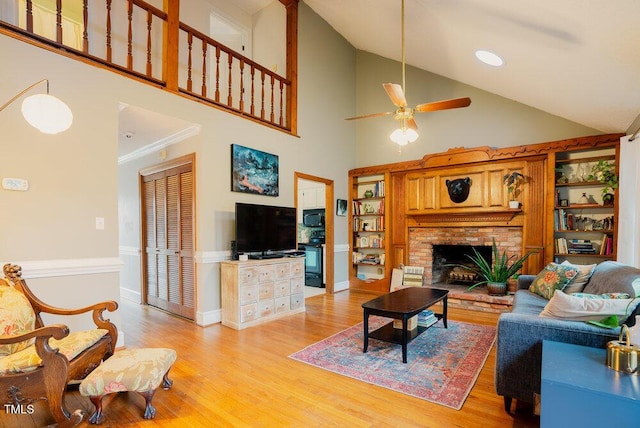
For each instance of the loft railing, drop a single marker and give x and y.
(135, 38)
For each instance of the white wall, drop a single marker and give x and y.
(317, 153)
(74, 175)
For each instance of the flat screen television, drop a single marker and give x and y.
(264, 229)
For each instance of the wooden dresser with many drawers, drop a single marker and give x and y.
(257, 291)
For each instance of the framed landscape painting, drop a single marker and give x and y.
(253, 171)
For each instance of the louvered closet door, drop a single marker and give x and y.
(168, 217)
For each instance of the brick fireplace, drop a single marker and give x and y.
(422, 240)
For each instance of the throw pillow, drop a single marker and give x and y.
(612, 277)
(599, 296)
(16, 317)
(568, 307)
(553, 277)
(580, 280)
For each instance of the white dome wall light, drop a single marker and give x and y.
(44, 112)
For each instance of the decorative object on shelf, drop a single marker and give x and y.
(341, 207)
(604, 172)
(564, 202)
(368, 194)
(458, 189)
(583, 199)
(561, 178)
(513, 180)
(504, 267)
(582, 172)
(254, 171)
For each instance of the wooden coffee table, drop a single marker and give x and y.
(402, 305)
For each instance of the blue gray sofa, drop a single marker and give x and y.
(521, 331)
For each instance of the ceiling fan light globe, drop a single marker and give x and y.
(47, 113)
(411, 134)
(402, 137)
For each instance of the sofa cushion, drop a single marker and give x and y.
(16, 317)
(614, 277)
(70, 346)
(568, 307)
(577, 284)
(553, 277)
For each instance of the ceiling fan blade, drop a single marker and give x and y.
(366, 116)
(443, 105)
(396, 94)
(411, 124)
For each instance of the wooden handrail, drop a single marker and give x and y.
(271, 103)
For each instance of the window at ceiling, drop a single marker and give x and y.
(44, 20)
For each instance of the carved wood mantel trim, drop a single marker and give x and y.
(500, 216)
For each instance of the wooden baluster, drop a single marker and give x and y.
(30, 16)
(190, 45)
(242, 85)
(262, 97)
(281, 100)
(253, 91)
(109, 50)
(217, 97)
(272, 117)
(130, 37)
(59, 21)
(149, 21)
(229, 95)
(204, 68)
(85, 19)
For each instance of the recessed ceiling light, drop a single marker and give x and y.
(489, 58)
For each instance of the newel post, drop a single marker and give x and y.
(292, 63)
(170, 44)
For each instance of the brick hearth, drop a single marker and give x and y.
(422, 240)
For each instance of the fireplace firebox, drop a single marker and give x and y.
(446, 255)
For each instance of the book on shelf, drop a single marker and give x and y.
(378, 189)
(425, 318)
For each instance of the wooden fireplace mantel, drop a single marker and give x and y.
(503, 217)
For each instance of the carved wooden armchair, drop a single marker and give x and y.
(37, 361)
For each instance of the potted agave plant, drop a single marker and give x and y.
(496, 275)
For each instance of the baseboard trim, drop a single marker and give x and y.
(340, 286)
(208, 318)
(131, 295)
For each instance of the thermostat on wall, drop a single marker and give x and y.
(15, 184)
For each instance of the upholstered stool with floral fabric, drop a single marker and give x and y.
(140, 370)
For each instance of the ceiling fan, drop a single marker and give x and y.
(407, 132)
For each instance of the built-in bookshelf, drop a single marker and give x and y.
(369, 227)
(584, 223)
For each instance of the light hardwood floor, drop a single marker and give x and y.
(225, 377)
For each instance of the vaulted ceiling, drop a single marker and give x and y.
(576, 59)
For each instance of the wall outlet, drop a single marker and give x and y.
(99, 223)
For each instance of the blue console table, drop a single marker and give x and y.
(578, 389)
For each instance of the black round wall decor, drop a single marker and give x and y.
(458, 189)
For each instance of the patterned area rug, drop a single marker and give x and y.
(442, 364)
